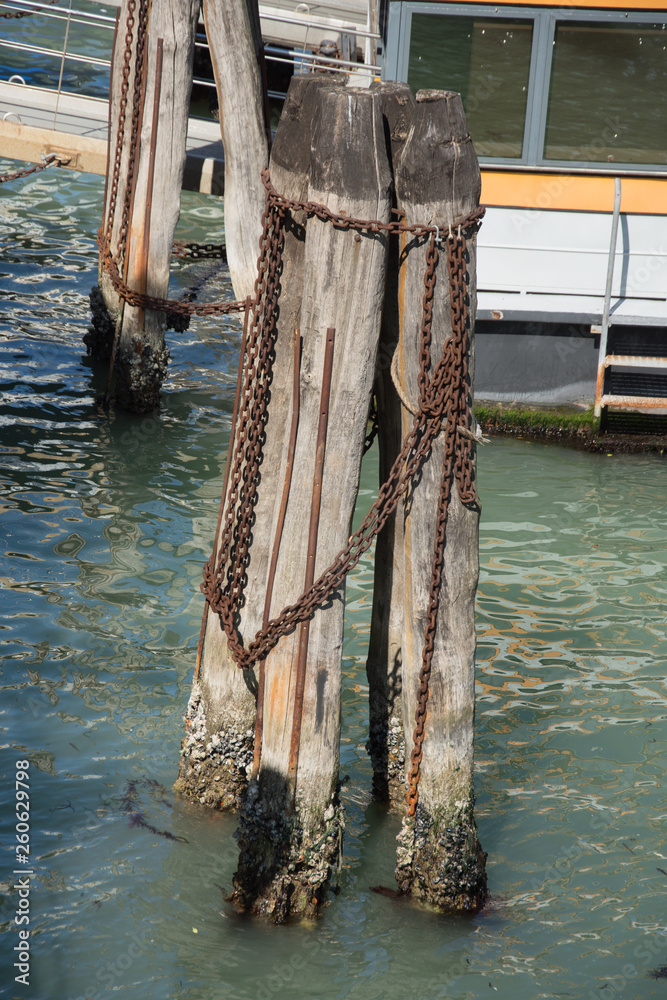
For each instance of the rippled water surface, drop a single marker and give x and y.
(106, 521)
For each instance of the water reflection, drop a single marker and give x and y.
(106, 521)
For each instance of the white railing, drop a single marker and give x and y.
(301, 57)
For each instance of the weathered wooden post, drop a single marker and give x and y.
(151, 77)
(235, 41)
(291, 824)
(386, 742)
(439, 857)
(218, 750)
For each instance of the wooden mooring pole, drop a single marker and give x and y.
(265, 739)
(149, 108)
(150, 98)
(439, 856)
(291, 824)
(235, 41)
(219, 749)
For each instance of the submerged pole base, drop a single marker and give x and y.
(99, 338)
(440, 861)
(214, 767)
(285, 870)
(141, 370)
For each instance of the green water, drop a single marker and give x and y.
(106, 521)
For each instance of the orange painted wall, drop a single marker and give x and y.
(573, 192)
(592, 5)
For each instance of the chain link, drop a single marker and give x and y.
(138, 95)
(111, 261)
(199, 251)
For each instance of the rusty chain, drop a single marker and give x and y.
(457, 464)
(443, 400)
(426, 426)
(199, 251)
(120, 128)
(24, 13)
(52, 160)
(139, 88)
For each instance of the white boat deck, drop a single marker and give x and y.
(36, 121)
(538, 265)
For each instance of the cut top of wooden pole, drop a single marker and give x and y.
(438, 166)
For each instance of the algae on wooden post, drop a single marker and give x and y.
(439, 858)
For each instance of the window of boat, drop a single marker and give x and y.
(608, 94)
(485, 59)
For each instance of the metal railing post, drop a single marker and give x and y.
(602, 353)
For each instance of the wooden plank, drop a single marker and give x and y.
(22, 142)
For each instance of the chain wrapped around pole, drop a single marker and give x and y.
(456, 463)
(436, 388)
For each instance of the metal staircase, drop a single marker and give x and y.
(633, 376)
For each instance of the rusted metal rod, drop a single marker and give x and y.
(296, 385)
(106, 175)
(228, 463)
(143, 70)
(304, 631)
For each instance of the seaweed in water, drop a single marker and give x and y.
(131, 800)
(659, 973)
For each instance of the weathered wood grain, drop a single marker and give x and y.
(343, 284)
(219, 748)
(386, 742)
(233, 36)
(439, 857)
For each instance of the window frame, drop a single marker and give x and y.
(545, 21)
